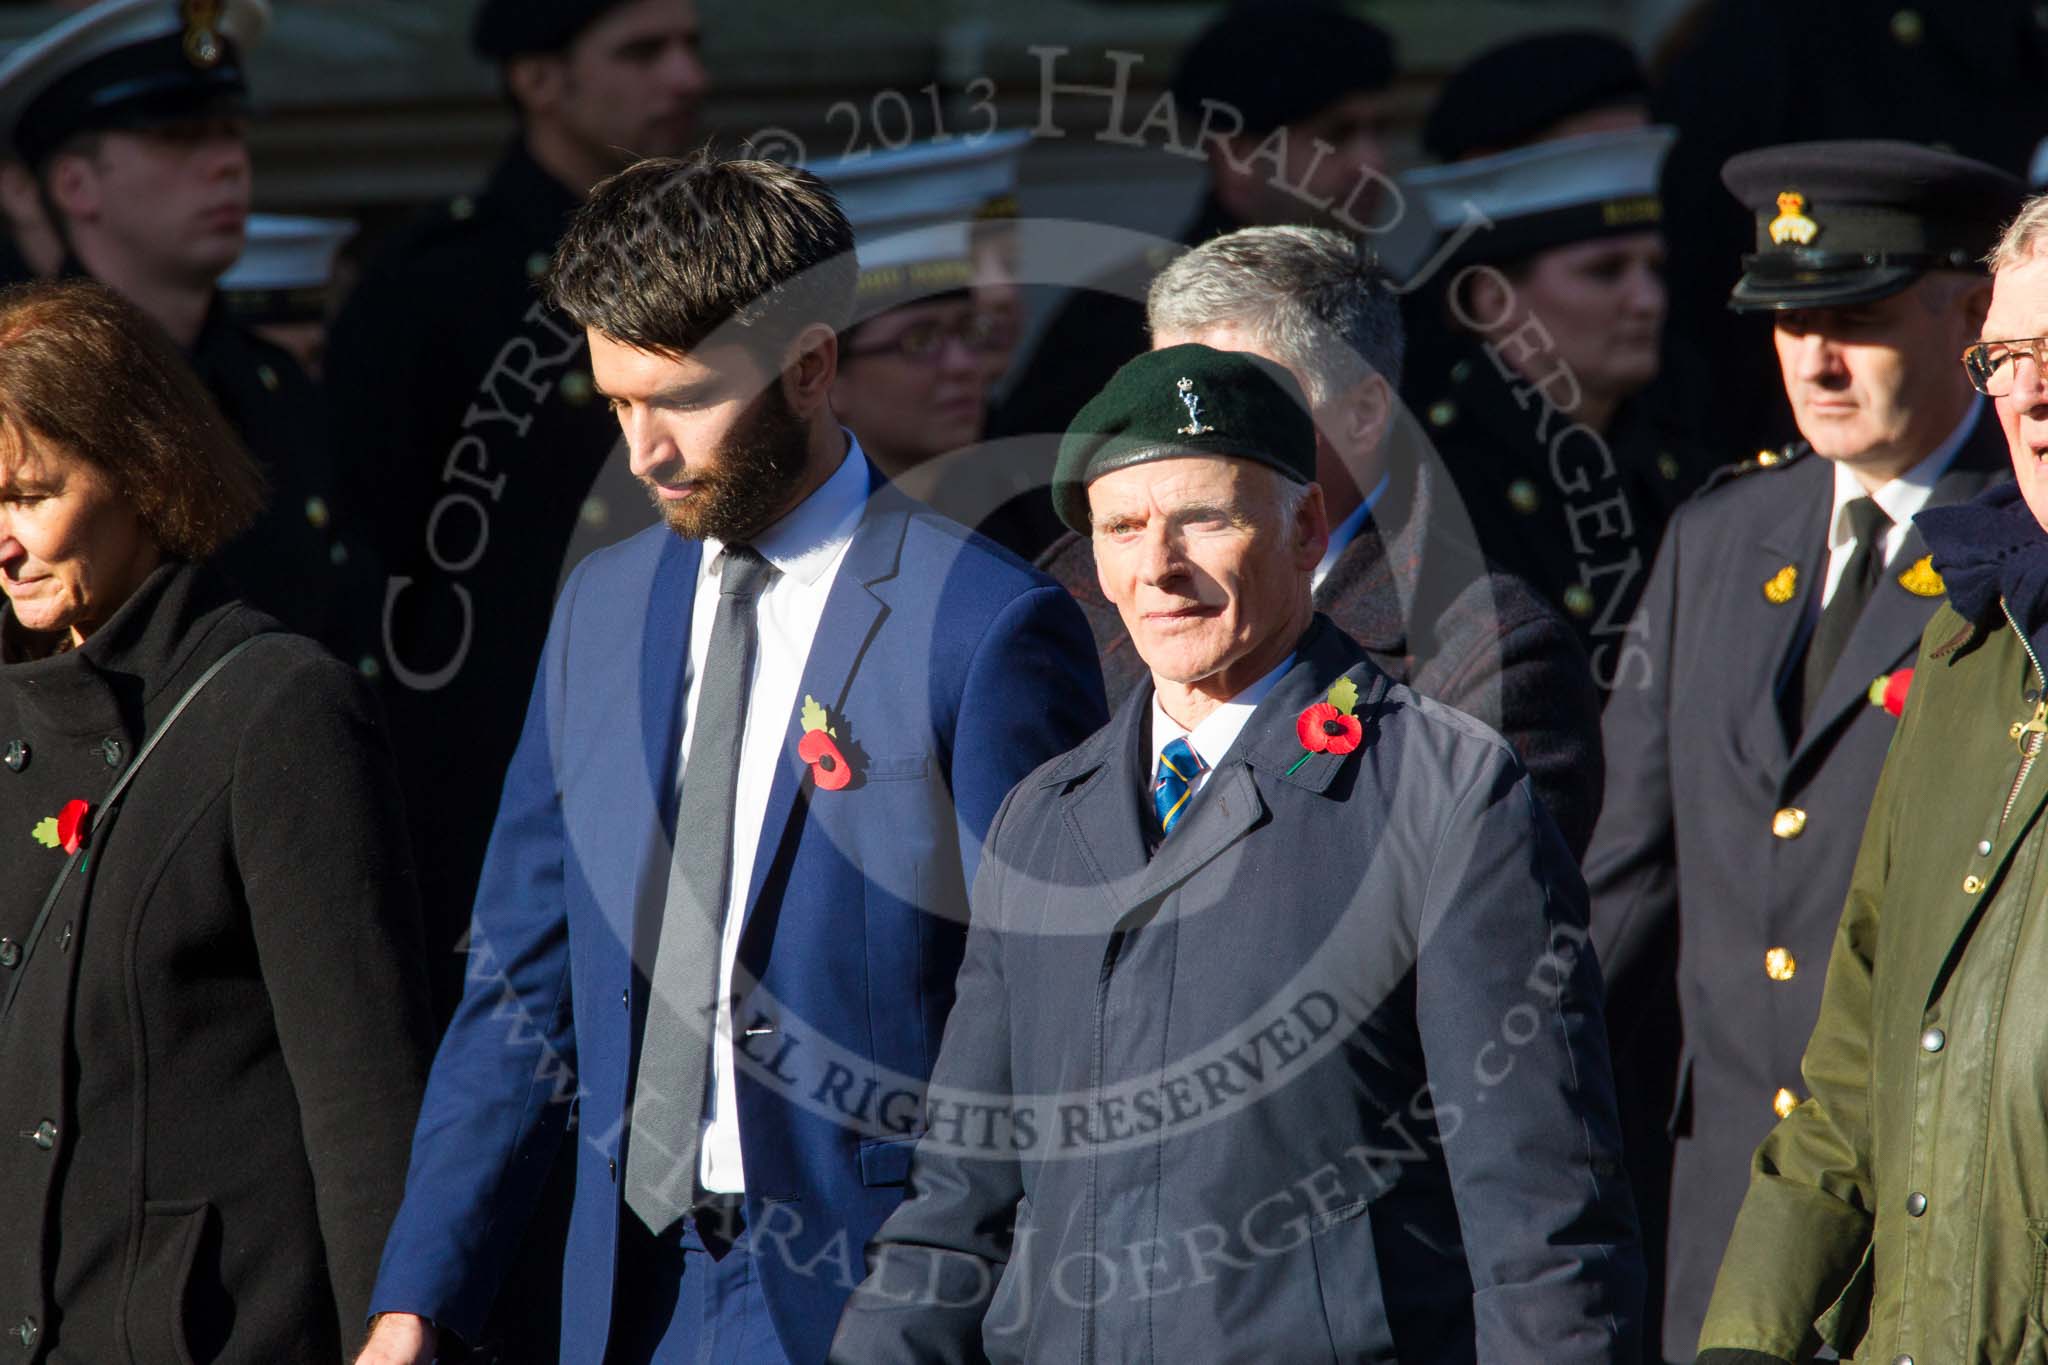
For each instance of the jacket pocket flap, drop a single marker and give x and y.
(894, 767)
(886, 1161)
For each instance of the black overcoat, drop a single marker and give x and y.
(210, 1071)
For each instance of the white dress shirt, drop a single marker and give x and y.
(806, 549)
(1346, 531)
(1900, 499)
(1211, 739)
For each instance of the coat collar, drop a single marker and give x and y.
(110, 681)
(1100, 785)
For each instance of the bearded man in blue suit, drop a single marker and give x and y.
(725, 898)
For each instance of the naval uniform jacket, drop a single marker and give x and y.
(475, 433)
(1414, 591)
(1720, 825)
(208, 1076)
(1324, 1078)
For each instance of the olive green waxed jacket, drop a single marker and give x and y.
(1901, 1212)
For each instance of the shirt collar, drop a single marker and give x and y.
(1904, 496)
(808, 539)
(1212, 739)
(1346, 531)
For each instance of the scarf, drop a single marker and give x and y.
(1991, 547)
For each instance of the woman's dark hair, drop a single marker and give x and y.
(668, 252)
(83, 368)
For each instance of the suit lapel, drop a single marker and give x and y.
(1106, 815)
(664, 664)
(1797, 539)
(1888, 632)
(854, 610)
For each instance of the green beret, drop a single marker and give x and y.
(1185, 400)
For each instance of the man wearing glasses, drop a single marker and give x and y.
(1779, 621)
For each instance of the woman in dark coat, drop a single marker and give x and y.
(212, 1046)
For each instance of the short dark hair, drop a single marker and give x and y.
(84, 368)
(669, 251)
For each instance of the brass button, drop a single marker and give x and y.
(1443, 414)
(1916, 1204)
(1784, 1102)
(1789, 823)
(26, 1332)
(1972, 884)
(1908, 28)
(317, 515)
(1578, 600)
(1522, 497)
(1780, 965)
(1934, 1040)
(1766, 459)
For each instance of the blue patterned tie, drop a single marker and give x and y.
(1179, 766)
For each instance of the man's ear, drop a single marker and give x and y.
(1311, 530)
(73, 185)
(809, 365)
(537, 82)
(1975, 303)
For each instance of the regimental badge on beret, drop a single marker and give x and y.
(1792, 227)
(202, 33)
(1196, 426)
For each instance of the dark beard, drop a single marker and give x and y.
(759, 467)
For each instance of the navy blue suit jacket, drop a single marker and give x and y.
(949, 670)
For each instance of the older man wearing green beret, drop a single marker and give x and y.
(1278, 1035)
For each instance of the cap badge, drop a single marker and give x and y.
(1921, 580)
(1778, 589)
(202, 32)
(1196, 426)
(1792, 225)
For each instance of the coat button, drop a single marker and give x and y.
(1983, 848)
(17, 755)
(1934, 1040)
(1784, 1102)
(26, 1332)
(1789, 823)
(1902, 1360)
(1916, 1203)
(1907, 30)
(1780, 965)
(10, 953)
(1443, 414)
(611, 1165)
(1579, 600)
(1972, 884)
(45, 1135)
(110, 750)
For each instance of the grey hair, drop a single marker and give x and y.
(2025, 235)
(1318, 300)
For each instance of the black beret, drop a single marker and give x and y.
(1510, 95)
(1185, 400)
(516, 28)
(1841, 223)
(1277, 62)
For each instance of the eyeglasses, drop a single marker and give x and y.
(1993, 366)
(924, 340)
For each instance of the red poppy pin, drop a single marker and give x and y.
(1889, 691)
(65, 830)
(820, 748)
(1328, 726)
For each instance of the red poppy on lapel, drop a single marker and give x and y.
(1889, 691)
(820, 748)
(71, 825)
(1328, 726)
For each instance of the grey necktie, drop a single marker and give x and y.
(675, 1051)
(1860, 577)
